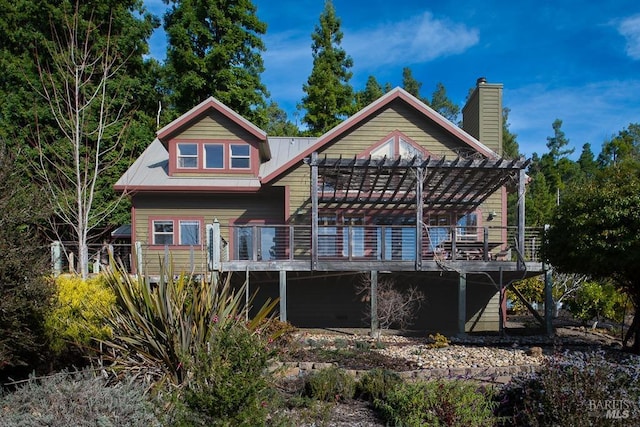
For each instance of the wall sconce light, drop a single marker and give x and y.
(491, 215)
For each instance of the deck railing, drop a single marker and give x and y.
(272, 243)
(379, 243)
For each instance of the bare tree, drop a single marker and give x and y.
(565, 285)
(78, 82)
(394, 306)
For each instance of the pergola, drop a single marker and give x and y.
(431, 184)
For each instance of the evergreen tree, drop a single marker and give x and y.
(371, 92)
(587, 162)
(329, 98)
(214, 49)
(623, 146)
(411, 85)
(510, 147)
(443, 105)
(278, 123)
(29, 27)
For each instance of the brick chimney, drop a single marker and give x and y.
(482, 114)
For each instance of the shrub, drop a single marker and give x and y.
(438, 341)
(597, 300)
(228, 384)
(377, 383)
(159, 328)
(330, 384)
(437, 403)
(394, 306)
(572, 388)
(79, 311)
(76, 399)
(24, 294)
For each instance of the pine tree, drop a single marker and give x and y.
(214, 49)
(371, 92)
(443, 105)
(410, 84)
(329, 97)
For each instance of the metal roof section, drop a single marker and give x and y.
(150, 172)
(283, 149)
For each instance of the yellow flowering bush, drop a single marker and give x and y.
(79, 311)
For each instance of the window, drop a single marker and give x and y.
(163, 232)
(187, 232)
(244, 243)
(353, 236)
(240, 156)
(327, 236)
(190, 232)
(213, 156)
(386, 149)
(397, 146)
(188, 156)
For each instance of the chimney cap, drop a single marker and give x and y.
(481, 80)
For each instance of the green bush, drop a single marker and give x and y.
(330, 384)
(228, 384)
(596, 300)
(161, 329)
(437, 403)
(79, 312)
(76, 399)
(376, 384)
(572, 388)
(24, 294)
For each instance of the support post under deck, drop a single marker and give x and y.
(314, 210)
(462, 304)
(283, 295)
(521, 213)
(374, 303)
(548, 300)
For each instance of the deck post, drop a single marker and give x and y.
(419, 218)
(56, 257)
(283, 295)
(548, 300)
(314, 210)
(247, 298)
(462, 303)
(521, 213)
(138, 269)
(374, 303)
(215, 245)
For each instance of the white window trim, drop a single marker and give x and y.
(163, 233)
(236, 156)
(187, 156)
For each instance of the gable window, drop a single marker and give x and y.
(188, 156)
(163, 232)
(240, 156)
(213, 156)
(397, 145)
(189, 232)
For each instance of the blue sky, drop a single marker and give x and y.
(578, 61)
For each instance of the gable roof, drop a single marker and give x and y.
(370, 110)
(211, 104)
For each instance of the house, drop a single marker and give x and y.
(395, 191)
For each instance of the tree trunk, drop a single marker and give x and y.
(634, 329)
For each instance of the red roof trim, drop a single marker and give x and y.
(365, 113)
(204, 106)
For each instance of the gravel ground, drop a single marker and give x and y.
(470, 353)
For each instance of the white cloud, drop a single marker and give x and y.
(630, 29)
(421, 38)
(591, 113)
